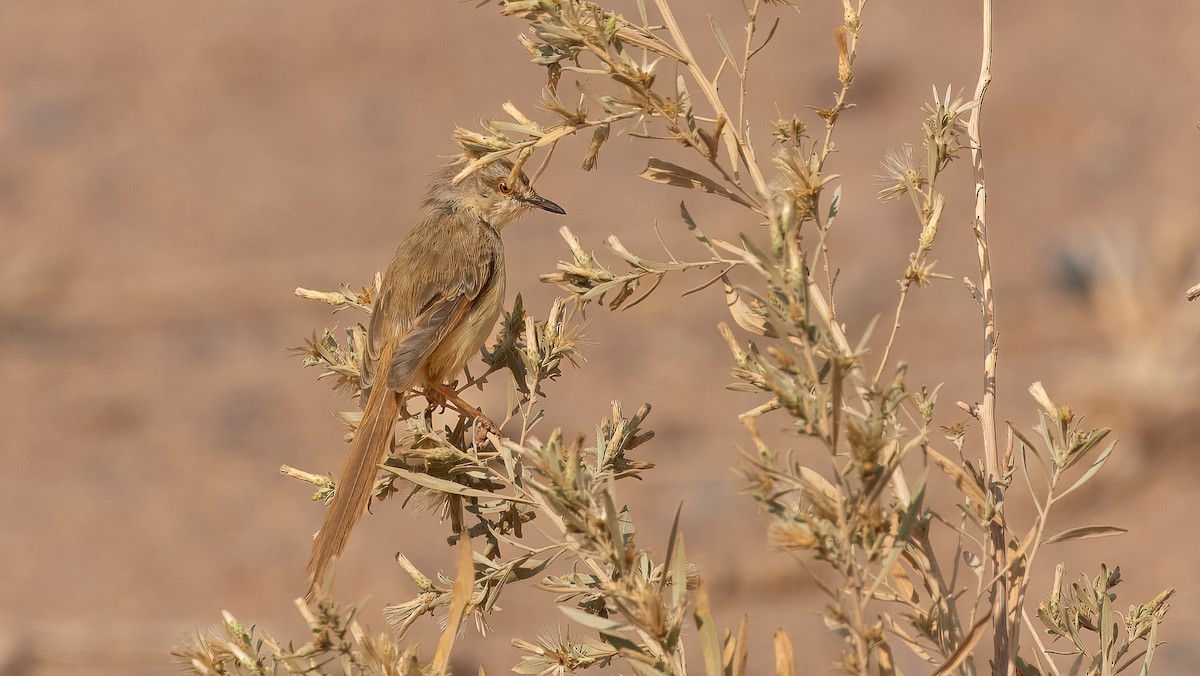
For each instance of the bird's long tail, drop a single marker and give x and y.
(355, 484)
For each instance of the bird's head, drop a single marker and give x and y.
(493, 194)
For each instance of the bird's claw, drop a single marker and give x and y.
(483, 427)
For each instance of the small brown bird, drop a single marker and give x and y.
(437, 305)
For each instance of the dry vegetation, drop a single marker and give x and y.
(947, 584)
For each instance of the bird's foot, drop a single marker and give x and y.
(436, 398)
(444, 395)
(483, 427)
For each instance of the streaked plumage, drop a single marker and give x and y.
(439, 300)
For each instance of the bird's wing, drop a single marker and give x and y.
(422, 337)
(423, 310)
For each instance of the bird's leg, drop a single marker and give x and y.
(447, 395)
(435, 398)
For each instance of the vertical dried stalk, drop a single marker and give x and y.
(1004, 641)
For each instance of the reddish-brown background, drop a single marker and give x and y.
(170, 171)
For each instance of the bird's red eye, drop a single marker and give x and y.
(504, 188)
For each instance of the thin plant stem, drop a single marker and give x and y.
(1004, 638)
(744, 72)
(732, 136)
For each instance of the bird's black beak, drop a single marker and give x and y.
(543, 203)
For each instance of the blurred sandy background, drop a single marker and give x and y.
(170, 171)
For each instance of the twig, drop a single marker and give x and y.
(732, 136)
(751, 25)
(550, 137)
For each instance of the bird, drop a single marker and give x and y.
(437, 304)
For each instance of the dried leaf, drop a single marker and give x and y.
(743, 314)
(890, 565)
(599, 136)
(815, 483)
(741, 649)
(1086, 533)
(445, 486)
(661, 171)
(706, 627)
(460, 598)
(785, 659)
(909, 642)
(964, 650)
(965, 482)
(766, 42)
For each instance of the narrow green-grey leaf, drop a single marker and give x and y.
(590, 620)
(902, 533)
(620, 643)
(1090, 473)
(835, 203)
(1151, 644)
(670, 544)
(695, 229)
(1093, 440)
(644, 669)
(720, 35)
(1107, 633)
(678, 574)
